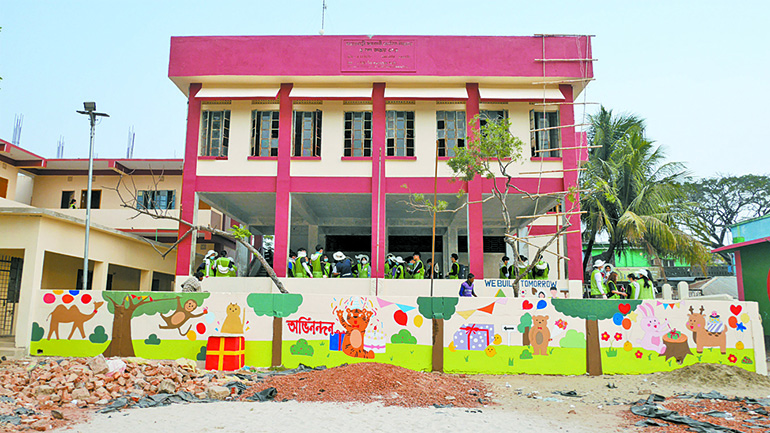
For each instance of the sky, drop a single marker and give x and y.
(697, 71)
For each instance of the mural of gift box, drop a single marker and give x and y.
(473, 337)
(225, 352)
(335, 341)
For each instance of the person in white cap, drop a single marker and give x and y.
(399, 272)
(207, 266)
(647, 291)
(344, 267)
(598, 288)
(541, 270)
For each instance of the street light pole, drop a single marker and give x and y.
(90, 111)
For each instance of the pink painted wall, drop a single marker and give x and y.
(187, 211)
(283, 183)
(571, 159)
(378, 184)
(193, 56)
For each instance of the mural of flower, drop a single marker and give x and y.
(732, 359)
(618, 336)
(638, 354)
(605, 336)
(561, 324)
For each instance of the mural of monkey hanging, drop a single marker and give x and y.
(178, 318)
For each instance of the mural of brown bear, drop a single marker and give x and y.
(539, 335)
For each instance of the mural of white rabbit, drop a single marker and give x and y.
(653, 329)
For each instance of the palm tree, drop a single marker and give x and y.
(630, 191)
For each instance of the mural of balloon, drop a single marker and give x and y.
(626, 324)
(418, 320)
(400, 317)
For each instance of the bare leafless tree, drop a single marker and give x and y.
(128, 194)
(490, 154)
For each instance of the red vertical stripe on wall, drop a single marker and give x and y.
(570, 160)
(189, 174)
(739, 275)
(283, 182)
(475, 214)
(378, 180)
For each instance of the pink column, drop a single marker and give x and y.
(475, 214)
(570, 160)
(739, 275)
(283, 182)
(378, 180)
(189, 174)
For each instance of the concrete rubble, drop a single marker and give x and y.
(46, 393)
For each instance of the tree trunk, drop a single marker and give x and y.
(277, 342)
(121, 344)
(525, 337)
(593, 350)
(676, 349)
(587, 254)
(609, 255)
(438, 345)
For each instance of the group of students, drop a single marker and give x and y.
(399, 269)
(317, 265)
(213, 265)
(604, 283)
(218, 265)
(539, 272)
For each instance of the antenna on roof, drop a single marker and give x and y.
(130, 144)
(18, 121)
(323, 15)
(60, 148)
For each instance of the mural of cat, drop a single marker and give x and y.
(233, 323)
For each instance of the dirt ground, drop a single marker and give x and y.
(604, 400)
(391, 399)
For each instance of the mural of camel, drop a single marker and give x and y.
(707, 335)
(63, 314)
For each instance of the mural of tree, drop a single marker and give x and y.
(124, 306)
(593, 310)
(524, 324)
(437, 309)
(277, 306)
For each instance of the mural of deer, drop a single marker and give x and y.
(712, 336)
(63, 314)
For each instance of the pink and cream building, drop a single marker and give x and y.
(321, 139)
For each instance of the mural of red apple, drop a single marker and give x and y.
(400, 317)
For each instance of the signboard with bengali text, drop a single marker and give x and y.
(377, 55)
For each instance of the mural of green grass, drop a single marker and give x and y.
(411, 356)
(67, 348)
(168, 349)
(509, 360)
(642, 361)
(257, 352)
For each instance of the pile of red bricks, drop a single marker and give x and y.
(62, 387)
(369, 382)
